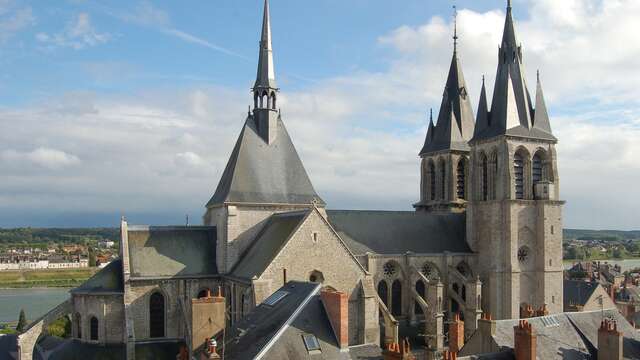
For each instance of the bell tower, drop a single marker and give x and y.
(444, 168)
(514, 216)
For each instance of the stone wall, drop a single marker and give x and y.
(108, 309)
(328, 256)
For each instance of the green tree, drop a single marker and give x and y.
(617, 253)
(22, 321)
(92, 257)
(60, 328)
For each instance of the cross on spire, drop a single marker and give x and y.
(455, 28)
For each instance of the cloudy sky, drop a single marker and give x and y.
(112, 108)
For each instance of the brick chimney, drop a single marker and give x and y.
(456, 334)
(207, 319)
(609, 341)
(396, 351)
(448, 355)
(525, 341)
(337, 306)
(527, 311)
(543, 311)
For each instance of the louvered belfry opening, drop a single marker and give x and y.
(536, 169)
(518, 172)
(432, 180)
(485, 178)
(460, 181)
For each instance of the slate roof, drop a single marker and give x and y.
(76, 350)
(455, 119)
(512, 112)
(8, 347)
(574, 337)
(576, 292)
(268, 244)
(276, 331)
(107, 280)
(261, 173)
(396, 232)
(172, 251)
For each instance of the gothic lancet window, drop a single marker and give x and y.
(518, 172)
(93, 327)
(396, 298)
(383, 292)
(443, 180)
(485, 178)
(432, 181)
(156, 315)
(420, 289)
(460, 184)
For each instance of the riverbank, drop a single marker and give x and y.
(59, 278)
(34, 302)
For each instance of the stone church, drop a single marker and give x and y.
(485, 236)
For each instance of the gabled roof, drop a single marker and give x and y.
(275, 332)
(261, 173)
(397, 232)
(108, 280)
(271, 239)
(569, 335)
(576, 292)
(455, 119)
(172, 251)
(512, 112)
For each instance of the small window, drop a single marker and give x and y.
(311, 342)
(553, 230)
(275, 297)
(93, 326)
(315, 237)
(389, 269)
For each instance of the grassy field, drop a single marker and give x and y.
(45, 278)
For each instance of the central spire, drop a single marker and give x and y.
(266, 77)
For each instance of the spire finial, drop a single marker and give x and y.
(431, 114)
(455, 28)
(538, 75)
(266, 74)
(482, 79)
(509, 4)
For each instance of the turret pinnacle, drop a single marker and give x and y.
(266, 78)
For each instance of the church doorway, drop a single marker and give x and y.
(156, 315)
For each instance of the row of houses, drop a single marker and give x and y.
(40, 264)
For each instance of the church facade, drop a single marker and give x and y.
(485, 236)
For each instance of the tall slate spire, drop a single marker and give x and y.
(266, 77)
(455, 119)
(264, 166)
(511, 108)
(482, 120)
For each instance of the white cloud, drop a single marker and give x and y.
(358, 135)
(47, 158)
(13, 20)
(78, 34)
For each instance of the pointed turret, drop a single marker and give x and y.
(511, 108)
(482, 120)
(430, 130)
(455, 120)
(541, 116)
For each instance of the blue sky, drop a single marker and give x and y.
(131, 107)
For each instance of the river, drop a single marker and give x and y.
(624, 264)
(35, 302)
